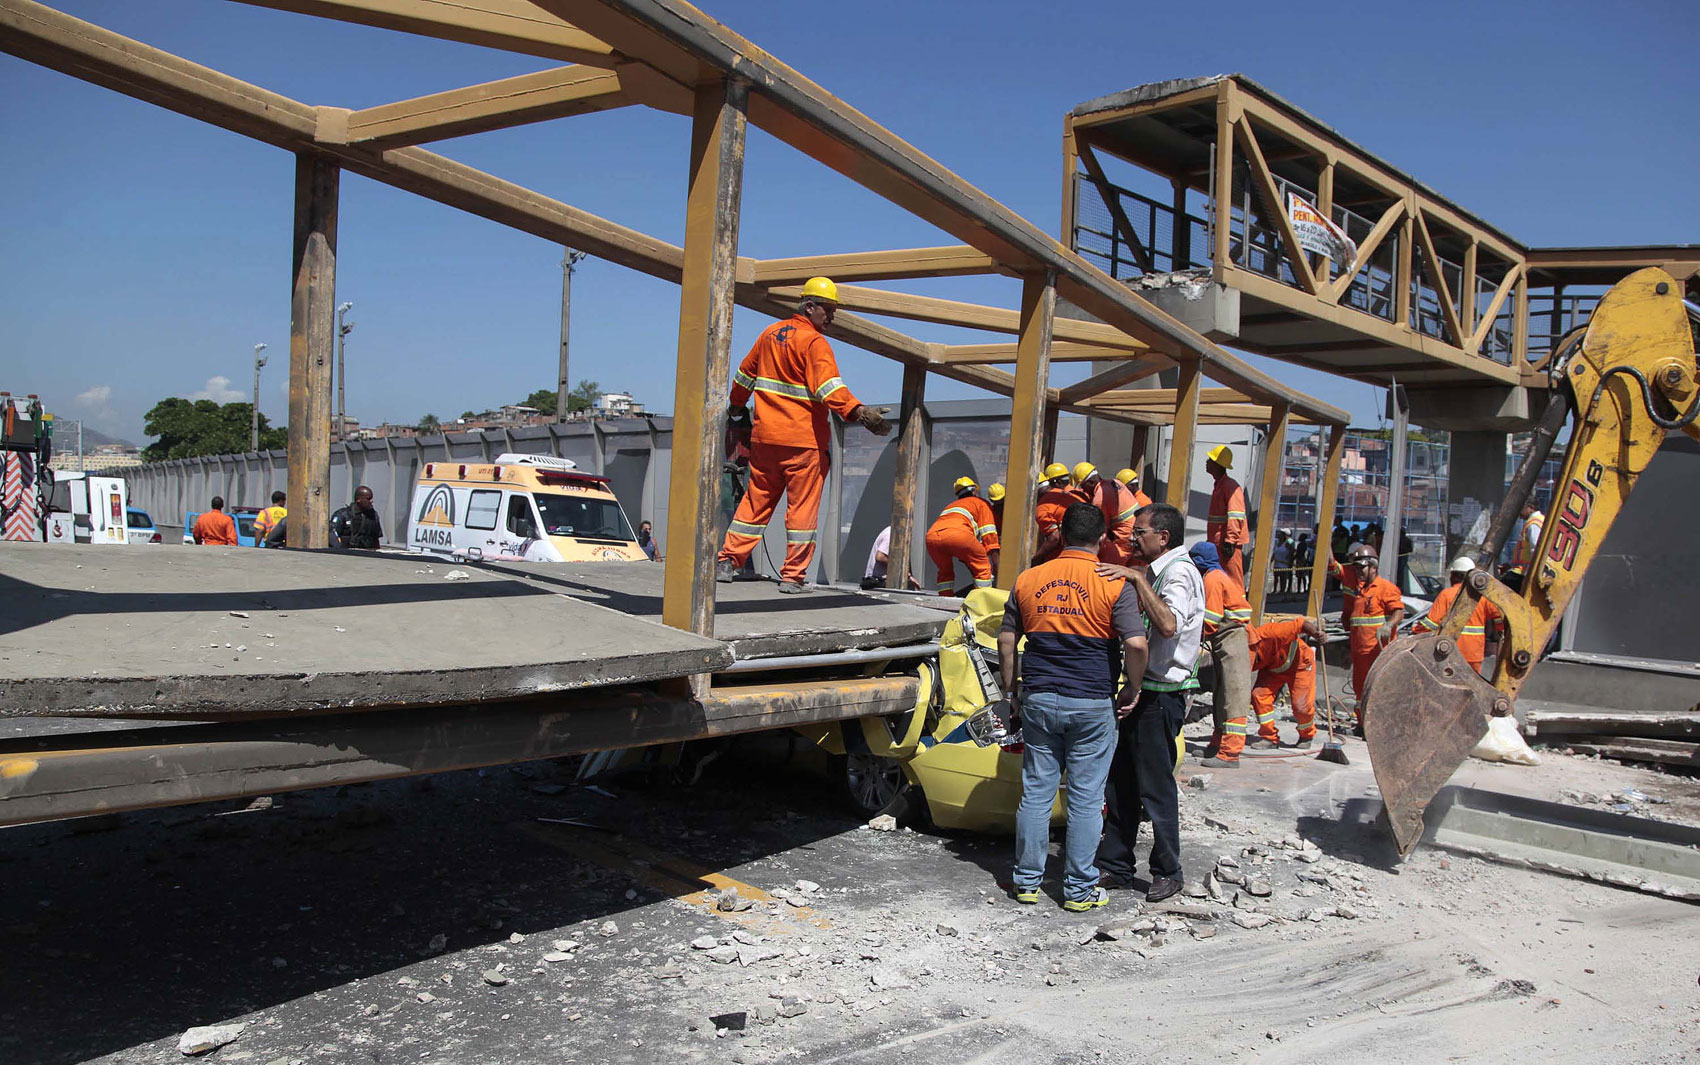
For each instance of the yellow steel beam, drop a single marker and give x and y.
(1026, 423)
(955, 261)
(312, 331)
(1269, 498)
(511, 25)
(1186, 431)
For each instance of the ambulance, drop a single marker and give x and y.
(86, 508)
(533, 508)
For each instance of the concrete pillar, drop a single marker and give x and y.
(1475, 487)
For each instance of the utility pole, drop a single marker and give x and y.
(561, 386)
(342, 331)
(254, 419)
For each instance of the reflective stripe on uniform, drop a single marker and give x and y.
(1265, 717)
(1428, 626)
(1237, 727)
(983, 582)
(1212, 618)
(1292, 656)
(744, 528)
(982, 530)
(828, 387)
(744, 380)
(959, 510)
(1370, 619)
(1239, 614)
(779, 388)
(799, 536)
(1475, 630)
(1128, 514)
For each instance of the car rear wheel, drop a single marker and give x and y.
(873, 784)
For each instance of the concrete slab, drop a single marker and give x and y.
(204, 632)
(752, 616)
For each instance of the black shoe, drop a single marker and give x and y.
(1358, 731)
(1162, 887)
(725, 571)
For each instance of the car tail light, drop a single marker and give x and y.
(154, 539)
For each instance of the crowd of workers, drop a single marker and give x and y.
(355, 526)
(1105, 625)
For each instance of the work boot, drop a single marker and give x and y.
(794, 588)
(1162, 887)
(1258, 743)
(1301, 744)
(725, 571)
(1215, 762)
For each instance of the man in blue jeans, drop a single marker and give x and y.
(1080, 628)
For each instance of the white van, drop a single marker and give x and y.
(86, 508)
(534, 508)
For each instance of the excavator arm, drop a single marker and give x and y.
(1630, 378)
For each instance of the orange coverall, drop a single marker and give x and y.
(1472, 642)
(964, 530)
(215, 528)
(1048, 514)
(1226, 524)
(793, 376)
(1281, 658)
(1363, 613)
(1113, 498)
(1225, 604)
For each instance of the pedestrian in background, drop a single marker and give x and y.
(268, 518)
(646, 541)
(1142, 775)
(214, 527)
(357, 525)
(1084, 636)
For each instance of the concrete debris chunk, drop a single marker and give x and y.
(792, 1006)
(883, 823)
(732, 902)
(1228, 874)
(766, 1013)
(1201, 781)
(457, 575)
(704, 943)
(723, 955)
(1346, 912)
(1315, 915)
(748, 956)
(609, 928)
(1202, 931)
(1213, 888)
(209, 1037)
(494, 978)
(556, 957)
(746, 937)
(425, 996)
(807, 887)
(670, 971)
(1111, 931)
(1246, 919)
(1182, 909)
(565, 944)
(1257, 887)
(946, 930)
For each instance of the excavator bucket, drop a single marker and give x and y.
(1425, 709)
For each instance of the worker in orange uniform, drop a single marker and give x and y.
(1371, 613)
(1226, 615)
(1528, 538)
(994, 496)
(1472, 642)
(793, 376)
(215, 527)
(964, 530)
(1281, 657)
(1055, 497)
(1130, 480)
(1226, 526)
(1113, 498)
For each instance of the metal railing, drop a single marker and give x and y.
(1154, 226)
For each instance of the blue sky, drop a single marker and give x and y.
(147, 253)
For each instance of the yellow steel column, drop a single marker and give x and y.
(906, 487)
(312, 329)
(1327, 492)
(1186, 431)
(705, 354)
(1026, 422)
(1268, 502)
(1222, 209)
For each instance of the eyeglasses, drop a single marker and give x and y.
(1137, 531)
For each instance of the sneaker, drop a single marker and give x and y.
(1027, 896)
(1258, 743)
(794, 588)
(725, 571)
(1162, 887)
(1091, 902)
(1221, 763)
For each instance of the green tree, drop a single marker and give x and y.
(583, 396)
(430, 424)
(543, 399)
(187, 428)
(468, 415)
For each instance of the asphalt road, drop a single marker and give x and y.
(315, 920)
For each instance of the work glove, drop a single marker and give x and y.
(1386, 633)
(872, 420)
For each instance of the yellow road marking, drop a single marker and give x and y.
(668, 874)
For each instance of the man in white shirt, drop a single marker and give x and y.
(1142, 776)
(874, 575)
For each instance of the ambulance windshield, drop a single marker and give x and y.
(582, 516)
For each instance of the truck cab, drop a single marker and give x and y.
(534, 508)
(86, 508)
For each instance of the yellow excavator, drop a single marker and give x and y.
(1630, 377)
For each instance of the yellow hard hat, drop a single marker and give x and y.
(1222, 456)
(1127, 476)
(995, 493)
(1055, 470)
(963, 482)
(1081, 471)
(820, 288)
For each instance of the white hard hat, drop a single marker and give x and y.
(1462, 564)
